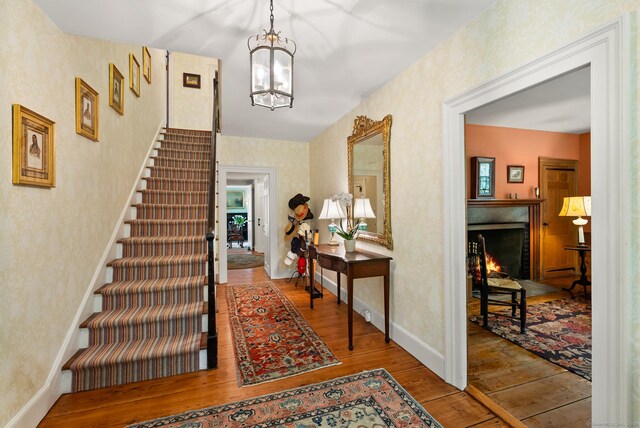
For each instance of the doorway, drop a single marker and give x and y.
(603, 51)
(258, 186)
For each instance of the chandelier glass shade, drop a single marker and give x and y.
(271, 68)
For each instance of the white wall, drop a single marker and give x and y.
(51, 240)
(191, 108)
(509, 34)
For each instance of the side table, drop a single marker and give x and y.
(582, 251)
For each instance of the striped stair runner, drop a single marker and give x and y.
(151, 320)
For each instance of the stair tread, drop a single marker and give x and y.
(168, 239)
(177, 192)
(179, 180)
(157, 260)
(133, 315)
(166, 220)
(183, 150)
(177, 206)
(143, 284)
(137, 350)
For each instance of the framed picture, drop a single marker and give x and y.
(483, 177)
(116, 89)
(34, 154)
(87, 110)
(190, 80)
(235, 199)
(134, 75)
(515, 174)
(146, 64)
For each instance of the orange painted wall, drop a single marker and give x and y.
(512, 146)
(584, 157)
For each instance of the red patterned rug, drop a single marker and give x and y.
(367, 399)
(558, 331)
(271, 339)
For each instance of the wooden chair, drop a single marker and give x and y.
(235, 234)
(499, 286)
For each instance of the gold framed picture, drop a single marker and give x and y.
(190, 80)
(146, 64)
(34, 161)
(87, 105)
(116, 89)
(134, 75)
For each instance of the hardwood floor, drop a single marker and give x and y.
(126, 404)
(535, 391)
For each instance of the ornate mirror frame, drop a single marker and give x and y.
(363, 129)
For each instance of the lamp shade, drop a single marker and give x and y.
(576, 206)
(331, 210)
(362, 208)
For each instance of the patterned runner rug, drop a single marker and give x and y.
(271, 339)
(367, 399)
(558, 331)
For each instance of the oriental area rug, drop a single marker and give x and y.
(558, 331)
(244, 261)
(368, 399)
(270, 338)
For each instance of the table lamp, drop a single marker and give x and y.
(361, 211)
(331, 210)
(577, 206)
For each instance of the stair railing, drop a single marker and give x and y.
(212, 334)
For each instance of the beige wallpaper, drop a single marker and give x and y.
(51, 240)
(291, 162)
(509, 34)
(191, 107)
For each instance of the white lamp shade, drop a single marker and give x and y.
(331, 210)
(576, 206)
(362, 208)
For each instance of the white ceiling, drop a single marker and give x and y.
(346, 48)
(559, 105)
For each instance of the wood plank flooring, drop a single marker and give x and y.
(126, 404)
(535, 391)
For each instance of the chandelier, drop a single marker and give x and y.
(271, 73)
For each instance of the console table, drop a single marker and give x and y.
(582, 251)
(359, 264)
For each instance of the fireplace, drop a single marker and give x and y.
(511, 231)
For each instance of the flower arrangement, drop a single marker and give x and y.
(347, 233)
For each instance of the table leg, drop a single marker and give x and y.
(349, 309)
(312, 276)
(338, 273)
(386, 308)
(584, 281)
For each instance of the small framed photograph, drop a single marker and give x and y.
(116, 89)
(235, 199)
(190, 80)
(134, 75)
(146, 64)
(515, 174)
(87, 105)
(34, 161)
(483, 177)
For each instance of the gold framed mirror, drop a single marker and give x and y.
(369, 175)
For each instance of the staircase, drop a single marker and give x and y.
(153, 309)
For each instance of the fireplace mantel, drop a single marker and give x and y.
(534, 225)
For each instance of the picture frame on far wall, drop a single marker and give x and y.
(34, 154)
(190, 80)
(134, 75)
(146, 64)
(116, 89)
(515, 174)
(235, 199)
(483, 177)
(87, 110)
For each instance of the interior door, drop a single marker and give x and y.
(558, 179)
(265, 222)
(259, 216)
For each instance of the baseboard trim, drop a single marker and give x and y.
(423, 352)
(32, 413)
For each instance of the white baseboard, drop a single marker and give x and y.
(32, 413)
(424, 353)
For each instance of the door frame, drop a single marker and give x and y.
(607, 50)
(223, 171)
(570, 165)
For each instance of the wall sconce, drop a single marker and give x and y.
(577, 206)
(331, 210)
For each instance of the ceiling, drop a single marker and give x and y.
(558, 105)
(346, 48)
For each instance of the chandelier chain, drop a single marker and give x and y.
(271, 17)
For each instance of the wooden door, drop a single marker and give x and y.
(558, 179)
